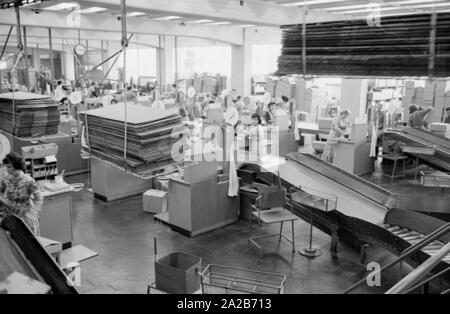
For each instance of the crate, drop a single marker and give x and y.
(435, 179)
(178, 273)
(218, 279)
(154, 201)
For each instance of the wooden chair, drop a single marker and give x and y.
(271, 208)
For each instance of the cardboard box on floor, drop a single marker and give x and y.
(154, 201)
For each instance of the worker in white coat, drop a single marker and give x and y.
(338, 130)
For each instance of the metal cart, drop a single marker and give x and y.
(218, 279)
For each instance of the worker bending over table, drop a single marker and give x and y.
(339, 129)
(417, 116)
(20, 195)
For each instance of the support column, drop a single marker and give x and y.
(27, 65)
(69, 63)
(241, 64)
(52, 64)
(354, 96)
(112, 48)
(168, 60)
(159, 63)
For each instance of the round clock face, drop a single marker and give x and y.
(231, 116)
(80, 50)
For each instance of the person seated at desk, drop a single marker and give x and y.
(60, 93)
(206, 101)
(240, 105)
(331, 105)
(20, 193)
(285, 104)
(194, 110)
(270, 114)
(92, 91)
(183, 113)
(417, 116)
(256, 134)
(338, 130)
(447, 113)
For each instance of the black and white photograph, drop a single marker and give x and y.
(224, 155)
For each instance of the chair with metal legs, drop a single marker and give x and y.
(271, 207)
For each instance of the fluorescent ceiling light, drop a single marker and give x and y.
(92, 10)
(220, 23)
(309, 2)
(247, 25)
(136, 14)
(412, 7)
(360, 6)
(412, 13)
(201, 21)
(62, 6)
(168, 18)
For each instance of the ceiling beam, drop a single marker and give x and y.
(98, 22)
(251, 12)
(92, 36)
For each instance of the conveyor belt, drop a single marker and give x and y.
(365, 212)
(418, 137)
(21, 252)
(414, 237)
(369, 190)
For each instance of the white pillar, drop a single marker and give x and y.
(69, 63)
(241, 64)
(168, 60)
(36, 61)
(113, 47)
(354, 96)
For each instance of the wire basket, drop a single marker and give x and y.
(218, 279)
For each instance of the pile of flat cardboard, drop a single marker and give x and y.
(150, 135)
(28, 115)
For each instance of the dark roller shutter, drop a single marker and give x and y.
(399, 47)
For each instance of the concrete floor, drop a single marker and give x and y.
(123, 235)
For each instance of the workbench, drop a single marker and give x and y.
(199, 203)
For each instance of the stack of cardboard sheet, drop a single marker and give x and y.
(34, 115)
(208, 84)
(151, 135)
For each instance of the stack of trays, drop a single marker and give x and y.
(35, 115)
(441, 129)
(149, 143)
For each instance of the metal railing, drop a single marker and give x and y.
(413, 249)
(404, 286)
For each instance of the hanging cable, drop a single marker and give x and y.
(124, 43)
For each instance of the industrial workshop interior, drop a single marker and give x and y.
(223, 147)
